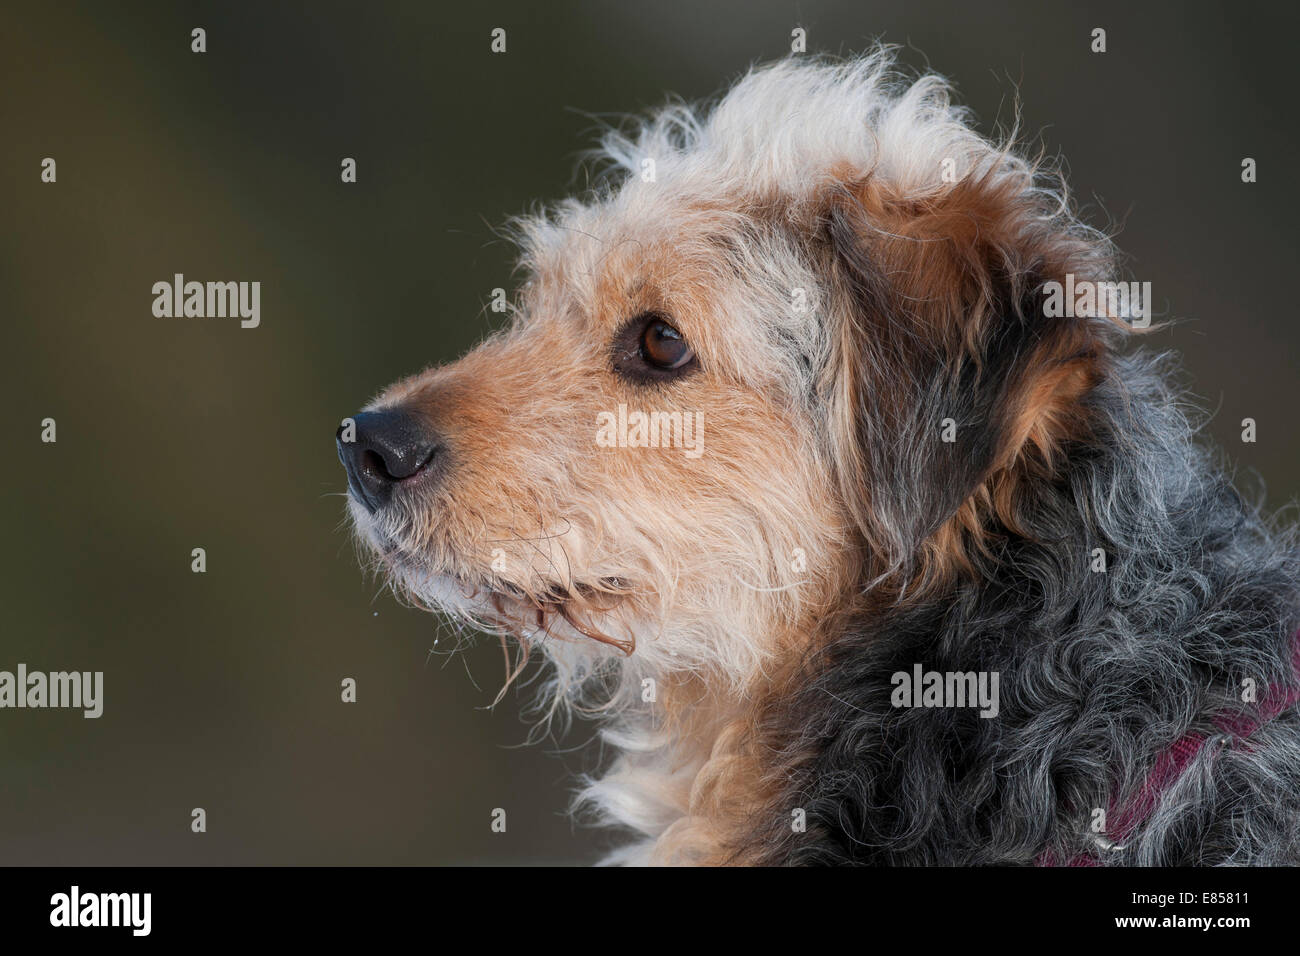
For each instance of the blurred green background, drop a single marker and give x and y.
(222, 689)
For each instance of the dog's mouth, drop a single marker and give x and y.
(545, 608)
(530, 614)
(510, 607)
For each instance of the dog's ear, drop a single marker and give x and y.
(948, 383)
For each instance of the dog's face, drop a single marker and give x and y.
(636, 464)
(723, 402)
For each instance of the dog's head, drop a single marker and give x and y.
(792, 350)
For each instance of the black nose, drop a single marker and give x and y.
(387, 447)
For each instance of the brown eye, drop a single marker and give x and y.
(664, 347)
(649, 350)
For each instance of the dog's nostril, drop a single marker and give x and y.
(374, 465)
(388, 447)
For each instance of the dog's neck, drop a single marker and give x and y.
(688, 777)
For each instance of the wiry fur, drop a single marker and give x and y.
(827, 537)
(1100, 672)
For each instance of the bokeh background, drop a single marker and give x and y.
(222, 689)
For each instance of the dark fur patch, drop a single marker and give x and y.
(942, 322)
(1100, 672)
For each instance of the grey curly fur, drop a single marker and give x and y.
(1100, 673)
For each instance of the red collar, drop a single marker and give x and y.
(1235, 729)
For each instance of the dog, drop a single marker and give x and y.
(861, 551)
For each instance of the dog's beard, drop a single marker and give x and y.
(604, 632)
(535, 611)
(546, 610)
